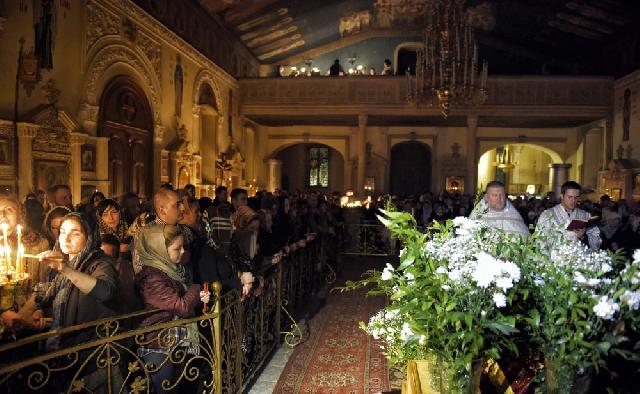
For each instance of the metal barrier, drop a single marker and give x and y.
(367, 240)
(233, 341)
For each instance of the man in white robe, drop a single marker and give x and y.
(495, 210)
(559, 217)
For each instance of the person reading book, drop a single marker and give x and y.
(560, 218)
(579, 224)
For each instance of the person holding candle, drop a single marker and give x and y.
(14, 295)
(166, 284)
(84, 287)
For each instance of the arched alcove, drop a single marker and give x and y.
(126, 118)
(525, 169)
(410, 171)
(302, 162)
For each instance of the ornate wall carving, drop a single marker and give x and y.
(100, 23)
(204, 76)
(112, 54)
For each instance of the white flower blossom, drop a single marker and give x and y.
(636, 255)
(483, 313)
(409, 276)
(441, 270)
(387, 272)
(423, 340)
(446, 287)
(504, 283)
(500, 300)
(605, 308)
(406, 332)
(632, 299)
(485, 270)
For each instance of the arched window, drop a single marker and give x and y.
(318, 164)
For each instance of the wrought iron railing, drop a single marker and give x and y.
(226, 349)
(367, 240)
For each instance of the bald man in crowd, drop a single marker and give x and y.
(496, 210)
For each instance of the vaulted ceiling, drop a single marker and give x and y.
(600, 37)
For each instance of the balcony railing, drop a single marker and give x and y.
(392, 91)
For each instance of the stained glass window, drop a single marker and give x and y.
(319, 167)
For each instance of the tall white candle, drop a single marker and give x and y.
(7, 251)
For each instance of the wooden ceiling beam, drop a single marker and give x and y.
(576, 30)
(266, 30)
(278, 44)
(585, 23)
(271, 36)
(347, 41)
(596, 13)
(261, 20)
(245, 10)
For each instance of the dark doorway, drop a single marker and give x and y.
(410, 169)
(407, 58)
(125, 117)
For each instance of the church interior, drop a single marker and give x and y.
(352, 100)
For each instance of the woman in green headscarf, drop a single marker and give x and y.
(166, 284)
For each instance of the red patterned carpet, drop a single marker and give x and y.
(338, 357)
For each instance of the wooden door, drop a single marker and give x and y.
(125, 117)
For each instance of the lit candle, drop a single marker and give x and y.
(19, 251)
(7, 251)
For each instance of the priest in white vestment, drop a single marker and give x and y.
(495, 210)
(559, 217)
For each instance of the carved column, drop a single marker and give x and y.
(558, 174)
(196, 133)
(275, 174)
(102, 165)
(77, 139)
(470, 182)
(222, 136)
(250, 153)
(607, 143)
(158, 142)
(26, 134)
(362, 152)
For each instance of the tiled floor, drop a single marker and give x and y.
(269, 376)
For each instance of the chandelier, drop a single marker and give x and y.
(447, 63)
(504, 159)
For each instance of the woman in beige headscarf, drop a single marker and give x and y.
(165, 284)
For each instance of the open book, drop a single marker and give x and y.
(579, 224)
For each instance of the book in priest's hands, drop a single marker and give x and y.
(579, 224)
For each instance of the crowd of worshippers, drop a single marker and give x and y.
(615, 225)
(107, 257)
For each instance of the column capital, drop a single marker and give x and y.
(195, 110)
(27, 130)
(78, 138)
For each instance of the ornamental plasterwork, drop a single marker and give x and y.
(151, 49)
(6, 128)
(100, 23)
(118, 53)
(148, 22)
(204, 76)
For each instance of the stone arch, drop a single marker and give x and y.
(295, 166)
(555, 156)
(206, 77)
(331, 143)
(405, 45)
(115, 58)
(530, 170)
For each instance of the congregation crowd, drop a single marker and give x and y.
(107, 257)
(617, 227)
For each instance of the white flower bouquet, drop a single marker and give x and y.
(466, 292)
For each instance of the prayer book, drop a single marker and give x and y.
(579, 224)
